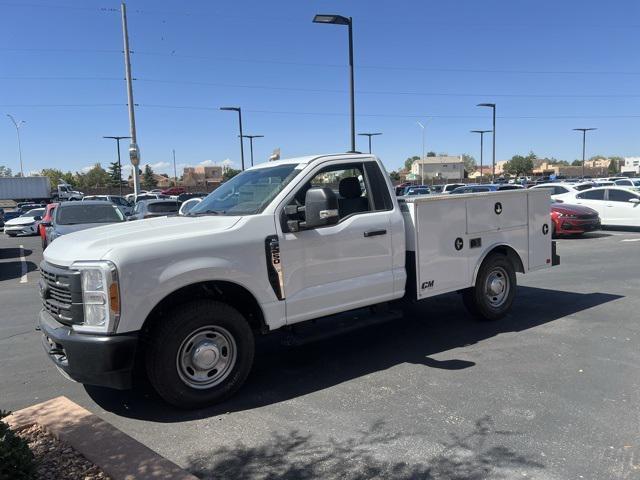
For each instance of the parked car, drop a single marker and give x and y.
(616, 206)
(130, 197)
(173, 191)
(629, 183)
(154, 208)
(570, 219)
(69, 217)
(417, 190)
(25, 224)
(25, 207)
(11, 215)
(186, 196)
(117, 200)
(450, 187)
(560, 190)
(150, 196)
(487, 188)
(46, 219)
(187, 205)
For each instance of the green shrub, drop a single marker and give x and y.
(16, 459)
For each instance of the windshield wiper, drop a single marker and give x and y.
(206, 212)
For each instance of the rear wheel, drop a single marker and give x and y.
(199, 354)
(495, 288)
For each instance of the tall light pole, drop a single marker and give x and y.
(239, 110)
(348, 21)
(117, 139)
(251, 137)
(134, 150)
(584, 142)
(369, 135)
(175, 171)
(424, 131)
(493, 107)
(18, 124)
(481, 132)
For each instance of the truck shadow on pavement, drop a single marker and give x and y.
(11, 270)
(431, 327)
(477, 455)
(13, 253)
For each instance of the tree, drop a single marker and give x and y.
(520, 165)
(409, 161)
(469, 163)
(576, 163)
(95, 177)
(229, 173)
(394, 175)
(58, 176)
(5, 171)
(148, 180)
(115, 174)
(613, 166)
(431, 154)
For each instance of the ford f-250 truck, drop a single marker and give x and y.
(281, 243)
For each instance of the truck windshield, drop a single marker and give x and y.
(247, 193)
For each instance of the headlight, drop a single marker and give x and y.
(567, 215)
(100, 296)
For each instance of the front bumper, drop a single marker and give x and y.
(101, 360)
(573, 225)
(21, 229)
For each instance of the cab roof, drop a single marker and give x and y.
(311, 158)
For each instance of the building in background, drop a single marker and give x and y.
(440, 167)
(202, 176)
(631, 165)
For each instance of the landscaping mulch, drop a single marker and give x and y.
(56, 460)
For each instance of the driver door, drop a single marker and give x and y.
(343, 266)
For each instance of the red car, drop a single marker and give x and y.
(174, 191)
(46, 218)
(573, 219)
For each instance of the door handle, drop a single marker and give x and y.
(373, 233)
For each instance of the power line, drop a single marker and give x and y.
(328, 90)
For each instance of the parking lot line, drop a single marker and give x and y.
(23, 263)
(631, 240)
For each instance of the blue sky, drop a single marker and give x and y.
(549, 65)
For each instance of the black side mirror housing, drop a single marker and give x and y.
(321, 208)
(37, 218)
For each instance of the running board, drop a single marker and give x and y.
(331, 326)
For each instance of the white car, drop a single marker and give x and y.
(633, 183)
(187, 205)
(561, 190)
(617, 206)
(26, 224)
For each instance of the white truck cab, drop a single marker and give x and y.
(281, 243)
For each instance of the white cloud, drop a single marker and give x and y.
(158, 165)
(207, 163)
(87, 168)
(228, 163)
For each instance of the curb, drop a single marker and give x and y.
(117, 454)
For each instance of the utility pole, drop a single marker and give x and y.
(481, 132)
(584, 142)
(117, 139)
(424, 130)
(493, 107)
(239, 110)
(175, 171)
(18, 125)
(134, 151)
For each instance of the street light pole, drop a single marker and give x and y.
(370, 135)
(584, 142)
(493, 107)
(18, 125)
(117, 139)
(239, 110)
(348, 21)
(481, 132)
(251, 137)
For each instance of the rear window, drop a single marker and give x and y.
(83, 213)
(509, 187)
(164, 207)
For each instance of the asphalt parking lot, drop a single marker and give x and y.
(550, 392)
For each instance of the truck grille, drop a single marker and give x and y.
(61, 293)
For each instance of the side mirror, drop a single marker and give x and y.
(37, 218)
(45, 224)
(634, 200)
(320, 208)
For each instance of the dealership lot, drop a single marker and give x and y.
(551, 391)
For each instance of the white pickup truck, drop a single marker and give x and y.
(284, 242)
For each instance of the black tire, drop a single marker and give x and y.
(478, 299)
(11, 234)
(168, 338)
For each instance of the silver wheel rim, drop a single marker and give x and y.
(496, 287)
(206, 357)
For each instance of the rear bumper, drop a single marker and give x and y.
(90, 359)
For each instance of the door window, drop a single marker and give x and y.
(348, 183)
(620, 196)
(559, 190)
(591, 195)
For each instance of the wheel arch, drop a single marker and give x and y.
(504, 249)
(231, 293)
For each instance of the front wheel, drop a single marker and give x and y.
(495, 289)
(199, 354)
